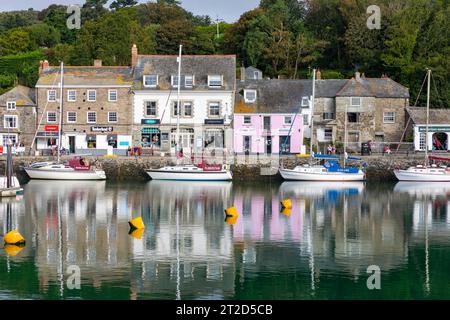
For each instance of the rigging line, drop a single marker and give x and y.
(43, 112)
(437, 92)
(420, 92)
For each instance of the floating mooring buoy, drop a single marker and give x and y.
(231, 212)
(137, 223)
(14, 237)
(287, 204)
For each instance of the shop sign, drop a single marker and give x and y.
(434, 129)
(51, 128)
(150, 121)
(214, 121)
(102, 129)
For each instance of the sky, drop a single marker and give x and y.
(227, 10)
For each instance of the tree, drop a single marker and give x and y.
(118, 4)
(93, 9)
(14, 41)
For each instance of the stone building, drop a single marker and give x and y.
(208, 84)
(97, 108)
(18, 114)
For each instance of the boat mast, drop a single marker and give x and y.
(61, 98)
(345, 134)
(428, 118)
(312, 113)
(177, 149)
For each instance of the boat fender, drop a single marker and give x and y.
(14, 237)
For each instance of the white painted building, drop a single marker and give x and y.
(207, 102)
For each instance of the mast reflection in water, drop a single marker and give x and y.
(320, 249)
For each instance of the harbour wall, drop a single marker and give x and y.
(129, 169)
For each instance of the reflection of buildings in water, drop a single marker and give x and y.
(190, 249)
(76, 223)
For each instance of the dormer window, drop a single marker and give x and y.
(250, 96)
(305, 102)
(174, 81)
(355, 101)
(215, 81)
(151, 80)
(11, 105)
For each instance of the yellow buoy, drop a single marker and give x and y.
(287, 203)
(137, 223)
(231, 220)
(14, 237)
(137, 233)
(231, 212)
(13, 250)
(286, 212)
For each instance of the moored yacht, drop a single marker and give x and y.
(201, 172)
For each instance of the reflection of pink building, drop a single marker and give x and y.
(268, 117)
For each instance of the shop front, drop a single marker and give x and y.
(438, 137)
(46, 142)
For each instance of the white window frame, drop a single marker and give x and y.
(109, 115)
(385, 116)
(11, 105)
(306, 119)
(287, 117)
(48, 96)
(184, 110)
(87, 117)
(189, 77)
(422, 141)
(328, 137)
(68, 96)
(305, 105)
(172, 81)
(16, 121)
(211, 78)
(150, 85)
(109, 95)
(88, 95)
(56, 116)
(247, 117)
(146, 108)
(328, 118)
(210, 115)
(246, 92)
(6, 137)
(68, 118)
(355, 105)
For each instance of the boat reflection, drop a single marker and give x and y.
(320, 188)
(423, 188)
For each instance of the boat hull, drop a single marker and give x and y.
(328, 176)
(45, 174)
(405, 175)
(190, 176)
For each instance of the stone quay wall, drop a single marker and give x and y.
(128, 169)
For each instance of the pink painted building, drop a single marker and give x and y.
(268, 117)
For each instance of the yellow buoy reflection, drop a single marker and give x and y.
(14, 237)
(231, 220)
(287, 212)
(13, 249)
(137, 233)
(287, 203)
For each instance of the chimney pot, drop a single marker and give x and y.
(97, 63)
(134, 55)
(45, 65)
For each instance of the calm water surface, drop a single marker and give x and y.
(321, 249)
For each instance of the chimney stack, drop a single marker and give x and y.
(44, 65)
(134, 55)
(97, 63)
(318, 74)
(357, 76)
(242, 73)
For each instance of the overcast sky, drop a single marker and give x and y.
(228, 10)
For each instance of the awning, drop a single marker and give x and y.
(43, 134)
(149, 130)
(91, 137)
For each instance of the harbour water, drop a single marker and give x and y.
(320, 249)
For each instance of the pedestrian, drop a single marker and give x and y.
(329, 149)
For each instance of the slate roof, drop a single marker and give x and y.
(437, 116)
(373, 87)
(87, 76)
(23, 96)
(198, 65)
(282, 95)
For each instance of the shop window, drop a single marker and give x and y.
(214, 138)
(92, 142)
(112, 141)
(150, 138)
(51, 142)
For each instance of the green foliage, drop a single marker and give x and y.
(15, 19)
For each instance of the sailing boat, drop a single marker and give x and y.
(74, 169)
(429, 173)
(201, 172)
(331, 169)
(9, 185)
